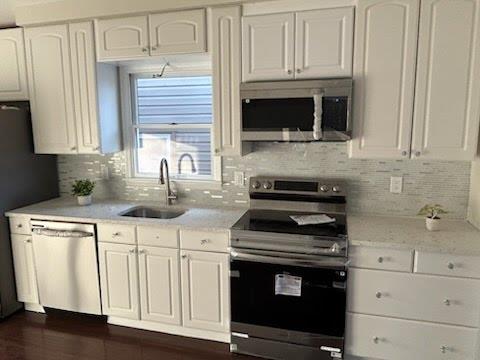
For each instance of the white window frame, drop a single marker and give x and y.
(125, 73)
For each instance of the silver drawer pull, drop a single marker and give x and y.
(204, 241)
(451, 265)
(376, 340)
(142, 251)
(443, 349)
(28, 241)
(378, 295)
(116, 234)
(380, 259)
(132, 251)
(19, 226)
(184, 256)
(447, 302)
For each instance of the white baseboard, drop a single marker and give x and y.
(170, 329)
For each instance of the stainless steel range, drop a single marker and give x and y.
(289, 270)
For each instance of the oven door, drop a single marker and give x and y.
(291, 301)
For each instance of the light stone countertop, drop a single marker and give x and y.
(456, 237)
(107, 211)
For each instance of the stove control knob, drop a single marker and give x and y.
(267, 185)
(324, 188)
(336, 189)
(256, 185)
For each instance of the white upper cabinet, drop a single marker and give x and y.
(122, 38)
(13, 73)
(75, 105)
(205, 290)
(178, 32)
(384, 78)
(268, 47)
(226, 39)
(308, 44)
(51, 93)
(447, 96)
(324, 43)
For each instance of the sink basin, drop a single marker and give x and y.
(154, 213)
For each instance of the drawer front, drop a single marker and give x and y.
(417, 297)
(115, 233)
(154, 236)
(204, 240)
(20, 225)
(394, 339)
(381, 259)
(447, 265)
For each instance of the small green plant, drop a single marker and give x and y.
(83, 187)
(432, 211)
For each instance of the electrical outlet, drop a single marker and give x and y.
(396, 184)
(239, 178)
(104, 173)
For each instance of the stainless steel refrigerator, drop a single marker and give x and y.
(25, 178)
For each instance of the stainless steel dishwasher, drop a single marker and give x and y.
(66, 264)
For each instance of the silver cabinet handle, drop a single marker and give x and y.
(217, 151)
(142, 251)
(73, 148)
(116, 234)
(447, 302)
(404, 153)
(19, 226)
(376, 340)
(204, 241)
(380, 259)
(184, 256)
(451, 265)
(443, 349)
(418, 153)
(153, 48)
(378, 295)
(144, 49)
(28, 241)
(96, 148)
(132, 251)
(299, 71)
(289, 72)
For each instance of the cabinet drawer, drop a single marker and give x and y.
(381, 259)
(115, 233)
(417, 297)
(154, 236)
(394, 339)
(20, 225)
(203, 240)
(447, 265)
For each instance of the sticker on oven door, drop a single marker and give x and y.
(288, 285)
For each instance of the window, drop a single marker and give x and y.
(172, 118)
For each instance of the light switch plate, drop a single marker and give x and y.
(396, 184)
(239, 178)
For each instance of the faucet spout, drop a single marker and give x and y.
(164, 179)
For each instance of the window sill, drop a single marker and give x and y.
(182, 184)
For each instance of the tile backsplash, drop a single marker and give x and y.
(368, 181)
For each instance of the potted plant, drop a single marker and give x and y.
(83, 189)
(432, 219)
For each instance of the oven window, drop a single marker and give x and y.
(319, 310)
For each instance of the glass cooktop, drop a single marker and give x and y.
(279, 221)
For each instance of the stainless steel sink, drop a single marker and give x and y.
(154, 213)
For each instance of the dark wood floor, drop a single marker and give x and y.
(64, 336)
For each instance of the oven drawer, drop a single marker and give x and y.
(417, 297)
(157, 236)
(204, 240)
(447, 265)
(394, 339)
(381, 259)
(116, 233)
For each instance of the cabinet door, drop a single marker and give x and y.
(25, 278)
(324, 43)
(13, 73)
(447, 96)
(84, 86)
(225, 46)
(122, 38)
(159, 284)
(178, 32)
(268, 47)
(51, 91)
(202, 308)
(384, 78)
(119, 280)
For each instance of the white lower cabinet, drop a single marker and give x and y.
(205, 290)
(119, 280)
(395, 339)
(159, 284)
(25, 279)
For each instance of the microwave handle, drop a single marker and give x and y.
(318, 115)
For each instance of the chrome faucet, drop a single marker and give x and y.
(192, 162)
(164, 179)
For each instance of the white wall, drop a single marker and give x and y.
(7, 17)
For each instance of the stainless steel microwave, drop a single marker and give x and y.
(307, 110)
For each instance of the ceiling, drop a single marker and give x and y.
(7, 17)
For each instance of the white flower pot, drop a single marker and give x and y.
(433, 224)
(84, 200)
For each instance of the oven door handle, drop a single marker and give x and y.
(326, 263)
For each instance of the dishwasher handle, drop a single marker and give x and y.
(62, 233)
